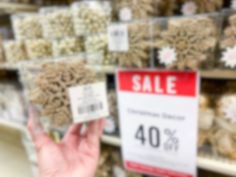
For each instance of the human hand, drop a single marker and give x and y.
(76, 156)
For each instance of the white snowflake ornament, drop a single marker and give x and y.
(189, 8)
(229, 57)
(167, 55)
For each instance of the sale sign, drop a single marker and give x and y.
(158, 117)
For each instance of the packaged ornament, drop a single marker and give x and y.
(91, 16)
(57, 22)
(27, 26)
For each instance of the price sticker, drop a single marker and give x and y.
(158, 117)
(88, 102)
(118, 40)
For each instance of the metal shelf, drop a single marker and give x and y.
(16, 7)
(13, 125)
(204, 161)
(208, 74)
(219, 74)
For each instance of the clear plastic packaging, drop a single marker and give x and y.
(128, 10)
(47, 83)
(186, 42)
(223, 137)
(38, 48)
(206, 120)
(189, 7)
(14, 51)
(57, 22)
(91, 16)
(112, 122)
(137, 54)
(27, 26)
(228, 40)
(96, 48)
(68, 46)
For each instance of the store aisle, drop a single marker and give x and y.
(13, 158)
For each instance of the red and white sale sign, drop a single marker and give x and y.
(158, 117)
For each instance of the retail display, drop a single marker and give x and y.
(187, 44)
(38, 48)
(57, 22)
(172, 34)
(14, 51)
(67, 46)
(51, 88)
(91, 16)
(27, 26)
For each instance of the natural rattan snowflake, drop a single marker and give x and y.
(204, 6)
(139, 44)
(139, 9)
(229, 35)
(51, 89)
(191, 43)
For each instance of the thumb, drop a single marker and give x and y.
(40, 138)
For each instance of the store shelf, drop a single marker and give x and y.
(218, 165)
(7, 66)
(16, 7)
(211, 74)
(12, 125)
(103, 69)
(206, 162)
(111, 140)
(219, 74)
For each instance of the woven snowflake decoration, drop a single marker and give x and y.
(51, 91)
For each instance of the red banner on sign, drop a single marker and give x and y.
(158, 82)
(153, 170)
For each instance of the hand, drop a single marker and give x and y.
(76, 156)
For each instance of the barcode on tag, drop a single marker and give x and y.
(90, 108)
(118, 40)
(88, 102)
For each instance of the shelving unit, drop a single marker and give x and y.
(204, 161)
(208, 74)
(13, 125)
(8, 7)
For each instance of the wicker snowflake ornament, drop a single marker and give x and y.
(206, 120)
(192, 45)
(51, 89)
(223, 138)
(139, 47)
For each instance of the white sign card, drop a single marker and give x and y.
(118, 39)
(158, 119)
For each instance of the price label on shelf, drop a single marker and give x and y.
(118, 40)
(159, 114)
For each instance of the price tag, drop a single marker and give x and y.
(118, 40)
(88, 102)
(158, 117)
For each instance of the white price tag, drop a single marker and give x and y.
(88, 102)
(158, 117)
(118, 39)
